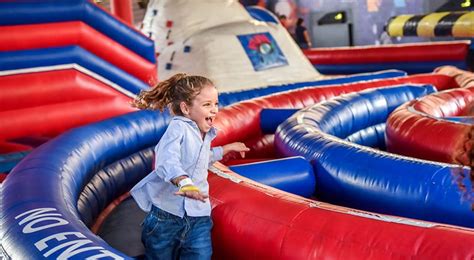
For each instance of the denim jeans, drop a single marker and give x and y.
(167, 236)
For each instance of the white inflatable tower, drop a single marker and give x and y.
(219, 39)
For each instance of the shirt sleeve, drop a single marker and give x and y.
(216, 154)
(168, 154)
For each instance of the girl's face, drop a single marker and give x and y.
(203, 109)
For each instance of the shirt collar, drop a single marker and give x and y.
(212, 132)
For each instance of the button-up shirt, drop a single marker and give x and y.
(180, 151)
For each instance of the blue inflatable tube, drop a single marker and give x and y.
(111, 182)
(294, 175)
(67, 55)
(229, 98)
(356, 176)
(261, 14)
(47, 223)
(9, 160)
(47, 11)
(353, 112)
(409, 67)
(372, 136)
(270, 118)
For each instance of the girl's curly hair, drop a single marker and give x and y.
(171, 92)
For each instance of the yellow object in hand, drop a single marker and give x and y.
(188, 188)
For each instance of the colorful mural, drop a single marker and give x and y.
(262, 50)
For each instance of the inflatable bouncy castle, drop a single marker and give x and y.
(64, 56)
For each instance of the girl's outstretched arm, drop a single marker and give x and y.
(236, 147)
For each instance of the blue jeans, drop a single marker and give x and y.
(167, 236)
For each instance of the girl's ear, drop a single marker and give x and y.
(184, 108)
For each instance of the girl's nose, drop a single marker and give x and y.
(215, 109)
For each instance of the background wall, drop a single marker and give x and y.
(367, 18)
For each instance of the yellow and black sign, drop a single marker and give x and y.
(456, 24)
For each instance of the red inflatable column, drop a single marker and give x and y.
(123, 10)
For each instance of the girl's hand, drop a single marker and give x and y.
(192, 192)
(236, 147)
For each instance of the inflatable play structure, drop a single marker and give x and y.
(448, 114)
(457, 24)
(91, 66)
(318, 183)
(120, 152)
(183, 31)
(412, 58)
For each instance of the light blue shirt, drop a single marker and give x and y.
(181, 151)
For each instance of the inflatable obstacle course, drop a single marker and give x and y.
(457, 24)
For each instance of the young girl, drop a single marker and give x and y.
(175, 194)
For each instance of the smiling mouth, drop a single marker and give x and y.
(209, 120)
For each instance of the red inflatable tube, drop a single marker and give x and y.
(54, 119)
(435, 51)
(245, 115)
(9, 147)
(417, 129)
(34, 36)
(463, 78)
(261, 148)
(454, 102)
(298, 228)
(48, 103)
(20, 91)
